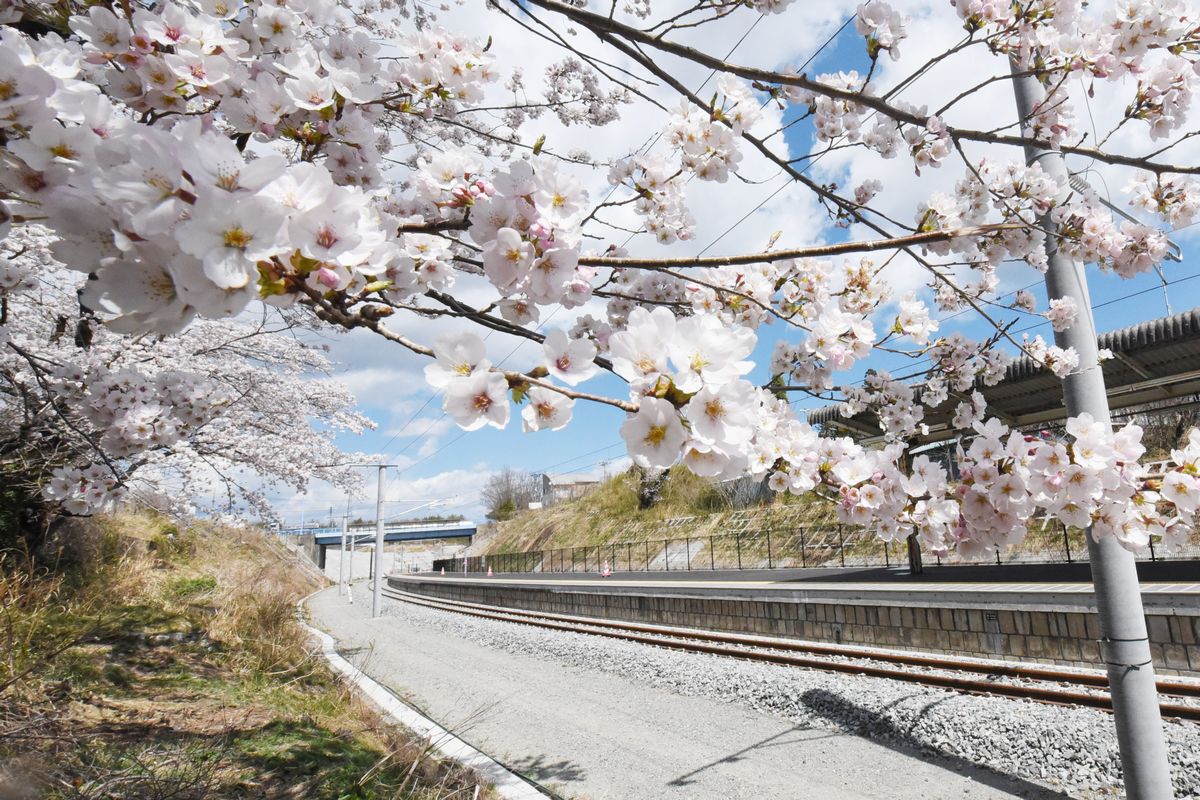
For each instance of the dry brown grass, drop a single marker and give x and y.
(148, 661)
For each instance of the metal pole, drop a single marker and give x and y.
(350, 570)
(377, 588)
(342, 561)
(1066, 541)
(770, 563)
(1125, 647)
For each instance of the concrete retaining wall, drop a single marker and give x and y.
(1007, 629)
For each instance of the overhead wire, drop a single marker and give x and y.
(580, 456)
(789, 181)
(1042, 324)
(828, 41)
(440, 417)
(646, 147)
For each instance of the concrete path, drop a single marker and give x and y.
(589, 734)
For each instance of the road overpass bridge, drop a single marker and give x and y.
(322, 538)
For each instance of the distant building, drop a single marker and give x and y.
(556, 488)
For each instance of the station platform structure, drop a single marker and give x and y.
(1042, 613)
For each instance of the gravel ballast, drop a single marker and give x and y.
(1014, 747)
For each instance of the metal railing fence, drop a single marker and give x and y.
(798, 546)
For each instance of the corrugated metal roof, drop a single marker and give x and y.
(1154, 360)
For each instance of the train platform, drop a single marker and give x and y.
(1166, 585)
(1044, 613)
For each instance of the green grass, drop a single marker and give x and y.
(189, 587)
(169, 664)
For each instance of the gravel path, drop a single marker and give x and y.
(601, 718)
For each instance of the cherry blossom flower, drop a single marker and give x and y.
(569, 360)
(477, 400)
(883, 27)
(547, 410)
(723, 415)
(639, 353)
(507, 258)
(707, 353)
(1062, 313)
(654, 435)
(229, 236)
(457, 356)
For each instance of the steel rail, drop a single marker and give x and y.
(691, 640)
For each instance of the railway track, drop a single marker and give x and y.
(1008, 679)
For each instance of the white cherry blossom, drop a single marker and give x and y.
(569, 360)
(477, 400)
(654, 435)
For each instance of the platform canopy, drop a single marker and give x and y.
(1153, 361)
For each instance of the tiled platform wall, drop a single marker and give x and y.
(1007, 631)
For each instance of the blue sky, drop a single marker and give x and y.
(446, 462)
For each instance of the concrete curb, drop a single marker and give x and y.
(507, 783)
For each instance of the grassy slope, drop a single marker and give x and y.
(692, 507)
(689, 506)
(161, 664)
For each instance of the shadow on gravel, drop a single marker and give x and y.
(543, 770)
(860, 721)
(791, 736)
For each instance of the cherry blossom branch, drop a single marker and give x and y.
(62, 414)
(815, 251)
(517, 378)
(433, 226)
(332, 313)
(853, 209)
(598, 23)
(499, 325)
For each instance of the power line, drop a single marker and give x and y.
(439, 418)
(581, 455)
(789, 180)
(654, 140)
(1041, 324)
(410, 421)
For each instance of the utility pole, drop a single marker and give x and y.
(377, 582)
(1125, 647)
(342, 562)
(342, 559)
(377, 596)
(350, 569)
